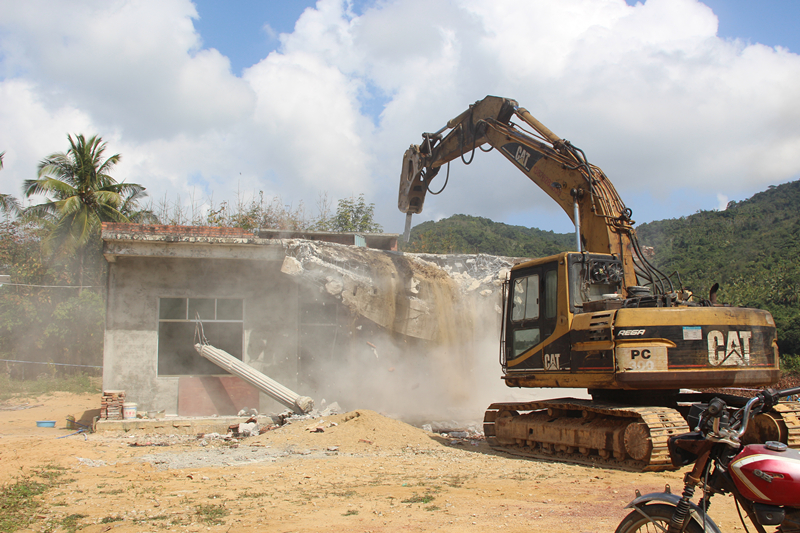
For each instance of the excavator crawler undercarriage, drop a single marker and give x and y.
(612, 436)
(585, 432)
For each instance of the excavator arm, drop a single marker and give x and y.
(583, 191)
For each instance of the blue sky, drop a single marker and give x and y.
(236, 30)
(685, 105)
(770, 22)
(239, 29)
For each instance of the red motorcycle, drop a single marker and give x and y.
(764, 479)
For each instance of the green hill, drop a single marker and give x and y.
(464, 234)
(751, 249)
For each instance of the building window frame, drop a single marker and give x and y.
(222, 320)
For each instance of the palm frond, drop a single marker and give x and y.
(8, 204)
(41, 211)
(107, 213)
(129, 189)
(48, 186)
(80, 226)
(108, 198)
(133, 193)
(70, 205)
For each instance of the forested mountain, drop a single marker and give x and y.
(464, 234)
(751, 249)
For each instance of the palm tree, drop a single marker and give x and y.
(8, 204)
(80, 195)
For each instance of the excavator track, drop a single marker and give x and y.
(585, 432)
(782, 424)
(790, 414)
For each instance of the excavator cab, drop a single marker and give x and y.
(540, 300)
(593, 278)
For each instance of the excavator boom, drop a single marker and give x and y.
(560, 169)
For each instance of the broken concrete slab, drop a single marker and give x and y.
(420, 295)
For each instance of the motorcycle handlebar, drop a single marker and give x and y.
(771, 396)
(746, 416)
(789, 392)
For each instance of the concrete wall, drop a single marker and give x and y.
(131, 338)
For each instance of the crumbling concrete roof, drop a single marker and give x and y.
(377, 241)
(150, 240)
(114, 231)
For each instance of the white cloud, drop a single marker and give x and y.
(30, 130)
(722, 202)
(649, 92)
(134, 64)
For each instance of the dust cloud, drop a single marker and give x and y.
(415, 337)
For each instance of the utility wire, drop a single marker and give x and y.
(40, 363)
(54, 286)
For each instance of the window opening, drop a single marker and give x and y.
(223, 323)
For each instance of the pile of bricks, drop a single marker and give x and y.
(111, 404)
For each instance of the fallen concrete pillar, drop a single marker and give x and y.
(267, 385)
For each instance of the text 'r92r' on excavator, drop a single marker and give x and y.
(601, 318)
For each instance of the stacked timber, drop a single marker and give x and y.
(111, 404)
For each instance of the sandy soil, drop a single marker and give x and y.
(362, 473)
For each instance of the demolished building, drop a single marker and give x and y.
(351, 320)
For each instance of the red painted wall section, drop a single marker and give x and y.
(215, 395)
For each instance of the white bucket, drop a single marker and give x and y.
(129, 410)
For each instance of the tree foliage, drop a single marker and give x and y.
(352, 214)
(8, 204)
(355, 215)
(43, 316)
(260, 213)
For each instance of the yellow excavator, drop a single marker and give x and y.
(602, 318)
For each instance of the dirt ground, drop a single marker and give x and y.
(362, 472)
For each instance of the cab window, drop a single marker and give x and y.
(524, 339)
(526, 298)
(551, 294)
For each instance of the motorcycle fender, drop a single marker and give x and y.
(673, 499)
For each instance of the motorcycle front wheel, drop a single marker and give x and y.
(656, 521)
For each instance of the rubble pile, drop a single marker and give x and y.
(480, 273)
(353, 432)
(357, 433)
